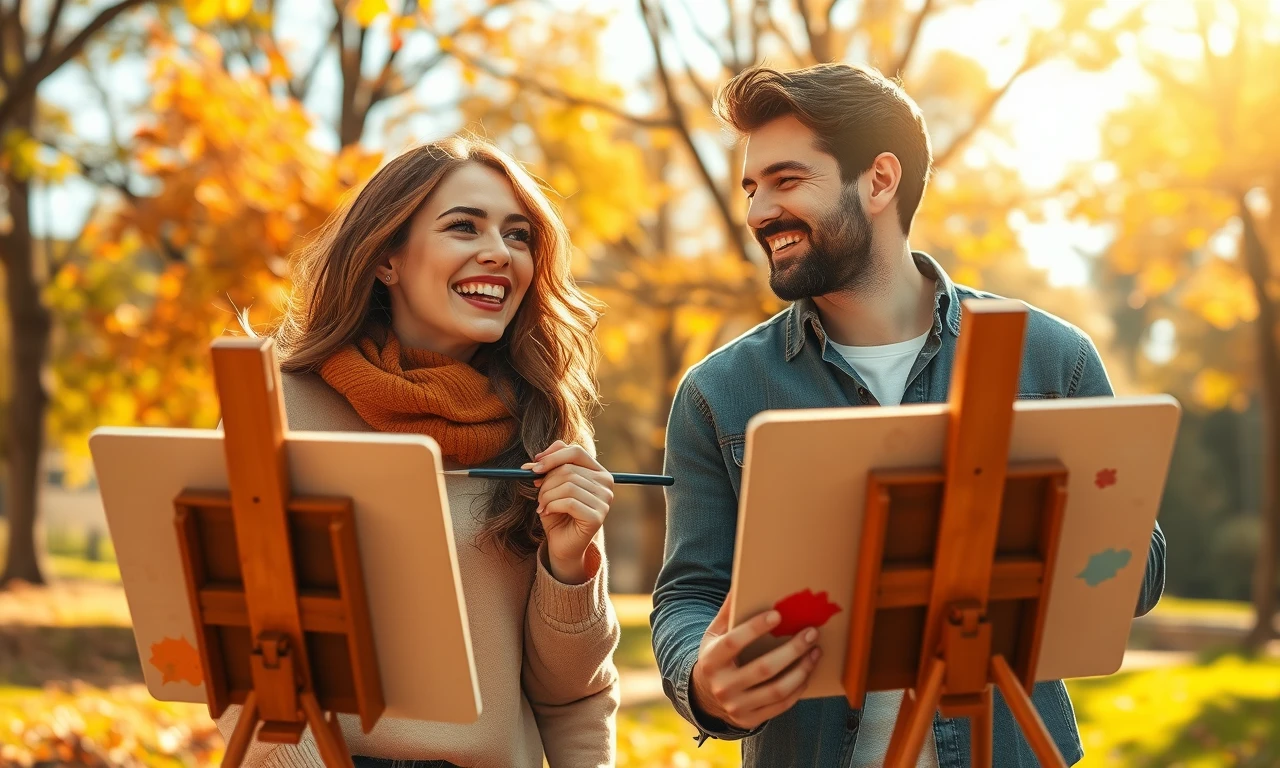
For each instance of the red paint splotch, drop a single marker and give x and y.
(1105, 478)
(802, 610)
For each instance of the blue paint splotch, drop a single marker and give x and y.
(1104, 566)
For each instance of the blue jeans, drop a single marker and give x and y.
(382, 762)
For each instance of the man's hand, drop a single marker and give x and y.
(746, 696)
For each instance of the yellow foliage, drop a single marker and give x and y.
(365, 12)
(1215, 389)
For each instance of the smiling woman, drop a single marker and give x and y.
(440, 302)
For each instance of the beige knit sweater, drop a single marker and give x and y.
(543, 649)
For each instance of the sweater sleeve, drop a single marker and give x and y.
(571, 632)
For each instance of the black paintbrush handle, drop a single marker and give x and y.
(621, 478)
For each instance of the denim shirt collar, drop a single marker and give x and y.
(804, 312)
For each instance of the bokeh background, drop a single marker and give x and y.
(1116, 162)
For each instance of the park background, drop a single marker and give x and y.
(1114, 162)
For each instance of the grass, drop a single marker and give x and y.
(1223, 712)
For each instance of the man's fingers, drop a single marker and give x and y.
(733, 642)
(773, 663)
(765, 714)
(720, 624)
(780, 688)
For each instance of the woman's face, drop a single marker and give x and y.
(461, 275)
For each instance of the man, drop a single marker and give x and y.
(837, 158)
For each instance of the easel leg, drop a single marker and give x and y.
(1025, 713)
(238, 744)
(980, 732)
(914, 719)
(332, 749)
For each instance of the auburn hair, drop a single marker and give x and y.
(544, 365)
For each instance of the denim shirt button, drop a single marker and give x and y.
(853, 720)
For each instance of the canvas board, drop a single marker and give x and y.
(405, 538)
(803, 497)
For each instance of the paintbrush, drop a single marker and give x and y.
(620, 478)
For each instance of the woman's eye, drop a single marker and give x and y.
(463, 225)
(523, 235)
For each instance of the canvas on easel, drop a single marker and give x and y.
(842, 511)
(368, 554)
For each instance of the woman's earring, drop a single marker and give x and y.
(387, 278)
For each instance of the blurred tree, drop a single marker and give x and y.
(33, 45)
(1190, 182)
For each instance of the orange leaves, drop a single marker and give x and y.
(240, 186)
(177, 660)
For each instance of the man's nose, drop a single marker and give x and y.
(762, 210)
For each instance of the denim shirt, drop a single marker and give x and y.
(786, 362)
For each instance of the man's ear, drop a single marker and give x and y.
(884, 174)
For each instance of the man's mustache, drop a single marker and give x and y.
(778, 227)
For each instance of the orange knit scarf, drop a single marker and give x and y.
(397, 389)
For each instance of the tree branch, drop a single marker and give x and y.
(729, 60)
(34, 73)
(51, 28)
(772, 26)
(984, 112)
(553, 92)
(703, 93)
(819, 41)
(912, 37)
(732, 229)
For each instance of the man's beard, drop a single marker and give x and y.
(839, 257)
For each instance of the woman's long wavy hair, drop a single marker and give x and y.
(543, 367)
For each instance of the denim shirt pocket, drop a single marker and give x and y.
(1038, 396)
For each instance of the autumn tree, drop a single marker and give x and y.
(34, 44)
(1190, 183)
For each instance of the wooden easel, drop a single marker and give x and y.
(955, 562)
(274, 580)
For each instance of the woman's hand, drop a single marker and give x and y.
(574, 495)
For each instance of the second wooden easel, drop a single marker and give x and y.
(955, 562)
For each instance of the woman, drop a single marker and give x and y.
(440, 302)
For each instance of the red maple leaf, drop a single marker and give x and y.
(801, 610)
(1106, 477)
(177, 660)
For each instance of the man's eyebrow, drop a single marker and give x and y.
(776, 168)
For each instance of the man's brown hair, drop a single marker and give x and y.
(855, 112)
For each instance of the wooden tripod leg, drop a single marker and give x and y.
(238, 744)
(915, 718)
(332, 749)
(980, 731)
(1025, 713)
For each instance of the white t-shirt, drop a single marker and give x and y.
(885, 369)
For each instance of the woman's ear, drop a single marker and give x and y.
(388, 271)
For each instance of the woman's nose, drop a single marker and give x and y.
(494, 251)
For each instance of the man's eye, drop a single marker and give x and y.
(786, 180)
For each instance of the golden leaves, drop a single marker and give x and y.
(365, 12)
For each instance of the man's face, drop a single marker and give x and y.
(812, 226)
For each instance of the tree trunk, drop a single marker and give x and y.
(30, 323)
(1258, 265)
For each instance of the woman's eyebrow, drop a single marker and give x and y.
(477, 212)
